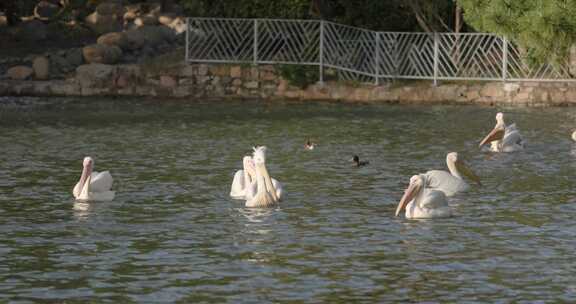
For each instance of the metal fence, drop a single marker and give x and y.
(363, 54)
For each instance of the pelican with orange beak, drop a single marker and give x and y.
(503, 138)
(93, 186)
(452, 182)
(267, 194)
(421, 202)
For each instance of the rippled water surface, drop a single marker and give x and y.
(173, 234)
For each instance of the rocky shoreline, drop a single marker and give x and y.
(202, 81)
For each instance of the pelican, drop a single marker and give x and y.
(574, 136)
(93, 186)
(503, 138)
(451, 182)
(244, 184)
(421, 202)
(267, 195)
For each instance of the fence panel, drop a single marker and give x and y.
(365, 55)
(220, 40)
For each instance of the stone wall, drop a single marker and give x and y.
(201, 81)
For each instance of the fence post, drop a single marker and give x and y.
(187, 45)
(321, 54)
(435, 59)
(377, 58)
(255, 47)
(504, 58)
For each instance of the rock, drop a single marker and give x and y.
(58, 63)
(95, 74)
(155, 35)
(168, 81)
(20, 72)
(34, 30)
(166, 18)
(118, 39)
(45, 10)
(41, 66)
(74, 57)
(146, 20)
(102, 24)
(110, 8)
(135, 39)
(178, 25)
(101, 53)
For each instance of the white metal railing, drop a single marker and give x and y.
(361, 54)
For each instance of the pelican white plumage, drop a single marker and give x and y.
(503, 138)
(93, 186)
(421, 202)
(244, 184)
(574, 135)
(452, 182)
(267, 194)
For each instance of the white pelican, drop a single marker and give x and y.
(93, 186)
(503, 138)
(267, 195)
(421, 203)
(451, 182)
(244, 184)
(574, 136)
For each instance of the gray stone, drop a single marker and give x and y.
(74, 57)
(95, 74)
(20, 72)
(101, 53)
(135, 39)
(41, 66)
(146, 20)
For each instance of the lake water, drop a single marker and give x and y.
(173, 235)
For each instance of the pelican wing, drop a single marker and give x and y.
(101, 181)
(445, 182)
(237, 190)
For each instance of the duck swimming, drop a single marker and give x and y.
(309, 145)
(358, 163)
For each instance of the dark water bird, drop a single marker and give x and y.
(359, 163)
(309, 145)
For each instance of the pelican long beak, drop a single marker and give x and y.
(465, 170)
(409, 195)
(268, 181)
(85, 193)
(496, 134)
(250, 169)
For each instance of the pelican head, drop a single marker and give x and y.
(416, 185)
(259, 155)
(497, 133)
(458, 166)
(82, 188)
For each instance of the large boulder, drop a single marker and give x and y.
(46, 10)
(95, 74)
(118, 39)
(101, 53)
(102, 24)
(34, 30)
(41, 66)
(156, 35)
(20, 72)
(74, 56)
(135, 39)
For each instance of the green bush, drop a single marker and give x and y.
(299, 75)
